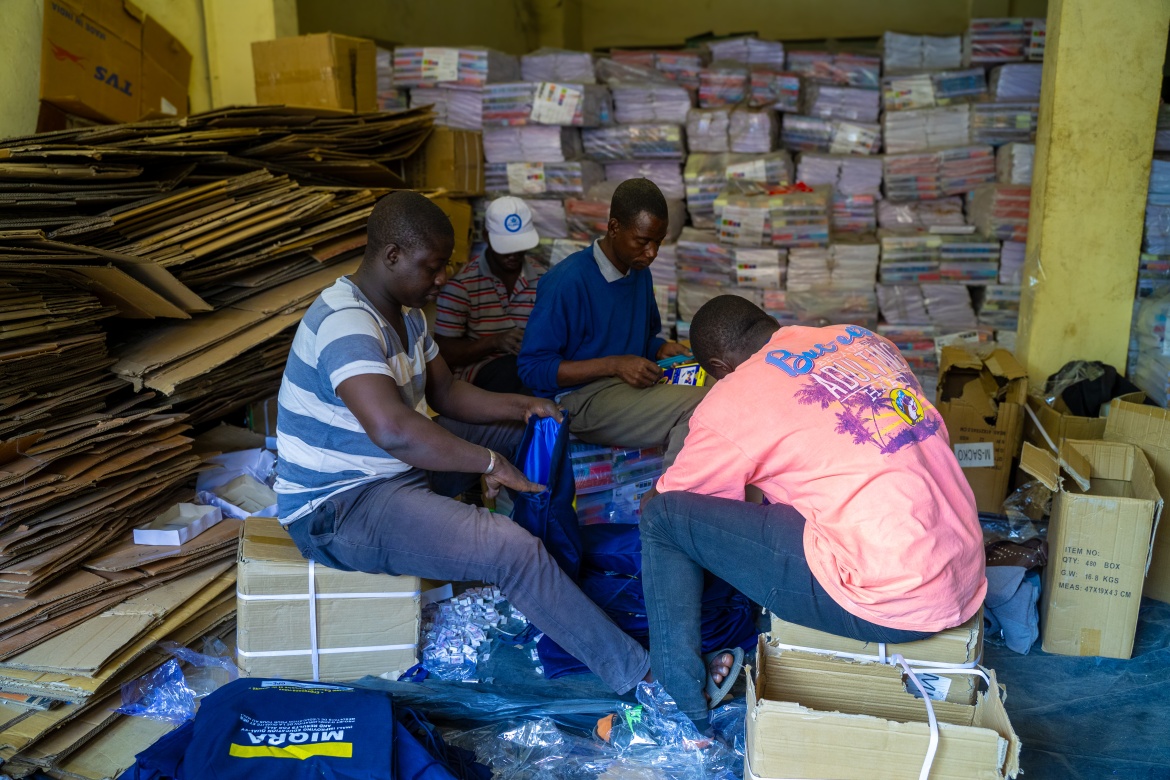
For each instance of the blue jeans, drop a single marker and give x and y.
(757, 549)
(408, 525)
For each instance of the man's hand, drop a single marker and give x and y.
(671, 349)
(636, 371)
(508, 341)
(540, 407)
(507, 475)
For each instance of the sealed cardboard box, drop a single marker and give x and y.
(317, 71)
(959, 646)
(106, 60)
(367, 624)
(981, 400)
(1105, 512)
(450, 160)
(1147, 427)
(813, 716)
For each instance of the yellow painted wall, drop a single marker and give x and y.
(508, 25)
(20, 66)
(232, 26)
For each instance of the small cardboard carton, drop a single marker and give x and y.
(960, 646)
(367, 624)
(1103, 521)
(317, 71)
(450, 160)
(981, 400)
(1147, 427)
(107, 60)
(811, 716)
(241, 498)
(1059, 423)
(178, 525)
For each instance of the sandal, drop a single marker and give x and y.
(717, 692)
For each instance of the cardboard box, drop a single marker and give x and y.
(178, 525)
(981, 400)
(1060, 424)
(316, 71)
(1147, 427)
(106, 60)
(367, 624)
(450, 160)
(459, 212)
(961, 646)
(810, 716)
(1103, 521)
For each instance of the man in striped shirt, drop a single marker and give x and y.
(482, 312)
(365, 476)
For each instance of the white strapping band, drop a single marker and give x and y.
(313, 620)
(405, 594)
(324, 651)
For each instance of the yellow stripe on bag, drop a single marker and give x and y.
(335, 749)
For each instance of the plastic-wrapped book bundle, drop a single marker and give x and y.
(457, 107)
(1001, 123)
(968, 259)
(910, 53)
(531, 143)
(927, 90)
(667, 175)
(856, 183)
(926, 128)
(1037, 31)
(551, 251)
(649, 102)
(937, 174)
(752, 131)
(775, 89)
(991, 41)
(949, 306)
(431, 66)
(1013, 163)
(707, 130)
(548, 217)
(1011, 262)
(723, 83)
(916, 343)
(633, 142)
(1000, 306)
(834, 307)
(793, 216)
(853, 104)
(558, 65)
(390, 98)
(748, 49)
(760, 268)
(801, 133)
(521, 103)
(1150, 371)
(586, 218)
(843, 68)
(681, 67)
(841, 266)
(1157, 234)
(664, 270)
(921, 214)
(706, 176)
(902, 304)
(1001, 210)
(1153, 274)
(567, 179)
(1016, 83)
(702, 259)
(909, 257)
(1162, 134)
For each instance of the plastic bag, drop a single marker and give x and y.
(1071, 374)
(169, 694)
(206, 671)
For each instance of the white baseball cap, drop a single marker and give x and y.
(509, 226)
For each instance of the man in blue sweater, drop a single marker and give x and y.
(592, 339)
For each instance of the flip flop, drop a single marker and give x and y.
(718, 692)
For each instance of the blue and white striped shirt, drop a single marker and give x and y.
(322, 448)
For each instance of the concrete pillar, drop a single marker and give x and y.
(231, 27)
(1103, 65)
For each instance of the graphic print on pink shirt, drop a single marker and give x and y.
(877, 399)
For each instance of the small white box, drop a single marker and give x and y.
(177, 525)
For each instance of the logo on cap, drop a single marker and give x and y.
(512, 223)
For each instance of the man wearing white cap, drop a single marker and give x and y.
(481, 313)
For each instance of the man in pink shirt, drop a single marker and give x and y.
(870, 530)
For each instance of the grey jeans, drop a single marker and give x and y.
(758, 550)
(407, 525)
(611, 413)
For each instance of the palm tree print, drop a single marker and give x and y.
(814, 392)
(874, 404)
(849, 423)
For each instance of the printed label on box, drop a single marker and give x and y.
(526, 178)
(976, 455)
(937, 687)
(854, 139)
(756, 170)
(743, 224)
(440, 64)
(555, 104)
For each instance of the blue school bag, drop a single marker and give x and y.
(260, 729)
(543, 456)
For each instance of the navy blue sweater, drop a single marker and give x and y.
(580, 316)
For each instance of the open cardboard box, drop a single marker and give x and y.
(810, 716)
(981, 400)
(1100, 538)
(177, 525)
(962, 645)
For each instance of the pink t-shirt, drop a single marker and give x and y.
(832, 422)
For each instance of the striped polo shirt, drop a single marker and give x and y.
(475, 304)
(322, 448)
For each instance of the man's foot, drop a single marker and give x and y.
(723, 668)
(720, 667)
